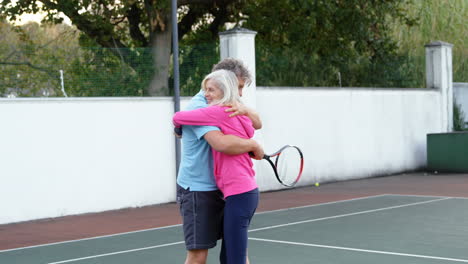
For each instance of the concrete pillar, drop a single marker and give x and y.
(239, 43)
(439, 76)
(460, 93)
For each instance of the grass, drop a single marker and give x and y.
(443, 20)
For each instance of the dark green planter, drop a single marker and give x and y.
(447, 152)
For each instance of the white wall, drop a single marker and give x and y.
(460, 92)
(71, 156)
(349, 133)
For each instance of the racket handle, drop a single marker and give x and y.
(251, 154)
(178, 131)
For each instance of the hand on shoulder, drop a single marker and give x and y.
(237, 108)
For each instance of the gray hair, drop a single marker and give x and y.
(227, 82)
(237, 67)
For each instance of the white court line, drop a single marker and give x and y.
(263, 228)
(359, 250)
(164, 227)
(320, 204)
(357, 199)
(89, 238)
(157, 228)
(117, 252)
(344, 215)
(420, 195)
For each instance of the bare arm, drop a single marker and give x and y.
(233, 145)
(255, 117)
(241, 109)
(208, 116)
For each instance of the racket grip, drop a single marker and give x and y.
(178, 131)
(251, 154)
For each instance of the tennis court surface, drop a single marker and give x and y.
(412, 218)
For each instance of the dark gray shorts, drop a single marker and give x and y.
(202, 216)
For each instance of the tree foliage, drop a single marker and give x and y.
(31, 57)
(323, 43)
(331, 29)
(444, 20)
(304, 43)
(346, 37)
(132, 24)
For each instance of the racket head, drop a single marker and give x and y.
(288, 165)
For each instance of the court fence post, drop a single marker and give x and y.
(239, 43)
(439, 76)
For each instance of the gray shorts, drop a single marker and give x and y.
(202, 216)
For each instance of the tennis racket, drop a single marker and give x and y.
(287, 165)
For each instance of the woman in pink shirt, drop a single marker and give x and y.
(234, 174)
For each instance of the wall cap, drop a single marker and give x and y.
(438, 43)
(238, 30)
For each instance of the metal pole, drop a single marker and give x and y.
(62, 84)
(175, 56)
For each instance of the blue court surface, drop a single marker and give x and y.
(375, 229)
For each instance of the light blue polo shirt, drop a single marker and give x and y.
(196, 165)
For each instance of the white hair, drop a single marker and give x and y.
(227, 82)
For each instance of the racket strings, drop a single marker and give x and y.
(289, 165)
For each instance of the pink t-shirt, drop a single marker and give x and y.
(234, 174)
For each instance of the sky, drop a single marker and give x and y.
(26, 18)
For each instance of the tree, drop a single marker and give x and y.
(335, 36)
(299, 42)
(31, 57)
(132, 24)
(438, 20)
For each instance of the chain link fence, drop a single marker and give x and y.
(94, 72)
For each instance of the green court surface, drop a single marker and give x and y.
(376, 229)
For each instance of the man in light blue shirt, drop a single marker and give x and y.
(196, 167)
(201, 203)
